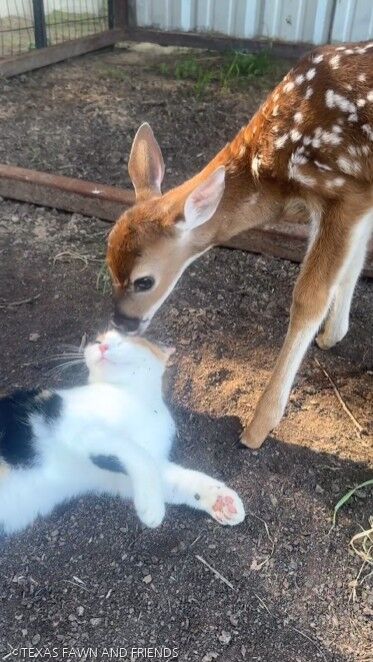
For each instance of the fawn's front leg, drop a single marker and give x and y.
(312, 295)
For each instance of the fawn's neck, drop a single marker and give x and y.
(248, 200)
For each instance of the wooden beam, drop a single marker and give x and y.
(217, 42)
(43, 57)
(283, 240)
(58, 192)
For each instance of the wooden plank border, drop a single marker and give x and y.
(217, 42)
(283, 240)
(66, 193)
(42, 57)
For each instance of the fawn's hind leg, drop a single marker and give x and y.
(313, 292)
(337, 322)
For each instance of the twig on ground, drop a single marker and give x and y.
(262, 563)
(216, 572)
(360, 429)
(12, 304)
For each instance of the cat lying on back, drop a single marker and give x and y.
(50, 442)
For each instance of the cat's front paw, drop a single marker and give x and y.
(223, 504)
(150, 511)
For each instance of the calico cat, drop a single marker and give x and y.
(53, 444)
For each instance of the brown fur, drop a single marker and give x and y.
(309, 145)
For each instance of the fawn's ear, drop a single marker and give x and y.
(203, 202)
(146, 165)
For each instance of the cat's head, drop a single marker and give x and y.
(115, 357)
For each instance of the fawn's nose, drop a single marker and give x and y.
(124, 323)
(103, 347)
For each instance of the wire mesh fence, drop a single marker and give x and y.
(29, 24)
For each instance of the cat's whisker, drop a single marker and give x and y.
(67, 364)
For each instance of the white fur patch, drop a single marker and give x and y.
(317, 58)
(370, 95)
(334, 61)
(362, 78)
(288, 87)
(361, 103)
(368, 130)
(337, 182)
(295, 135)
(280, 142)
(348, 166)
(309, 92)
(321, 166)
(299, 79)
(255, 164)
(331, 138)
(335, 100)
(298, 117)
(295, 172)
(311, 73)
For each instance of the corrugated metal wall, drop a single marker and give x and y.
(316, 21)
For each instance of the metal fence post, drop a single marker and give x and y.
(121, 13)
(40, 29)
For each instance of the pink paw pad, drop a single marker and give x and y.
(225, 505)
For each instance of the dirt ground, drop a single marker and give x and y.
(91, 574)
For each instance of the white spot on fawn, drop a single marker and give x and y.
(334, 61)
(321, 166)
(336, 182)
(289, 87)
(296, 174)
(309, 92)
(295, 135)
(280, 142)
(362, 78)
(311, 73)
(368, 130)
(298, 117)
(370, 95)
(361, 103)
(299, 79)
(318, 58)
(255, 163)
(335, 100)
(348, 166)
(331, 138)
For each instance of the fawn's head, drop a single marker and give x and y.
(154, 241)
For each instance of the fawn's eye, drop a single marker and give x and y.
(143, 284)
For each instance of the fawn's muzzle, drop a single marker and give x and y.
(124, 323)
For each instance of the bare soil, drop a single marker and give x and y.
(91, 575)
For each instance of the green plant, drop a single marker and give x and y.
(233, 68)
(103, 279)
(361, 543)
(345, 499)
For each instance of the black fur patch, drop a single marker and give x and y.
(16, 437)
(108, 462)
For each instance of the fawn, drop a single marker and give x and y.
(310, 143)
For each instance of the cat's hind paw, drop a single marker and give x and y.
(224, 505)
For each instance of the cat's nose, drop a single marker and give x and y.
(103, 347)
